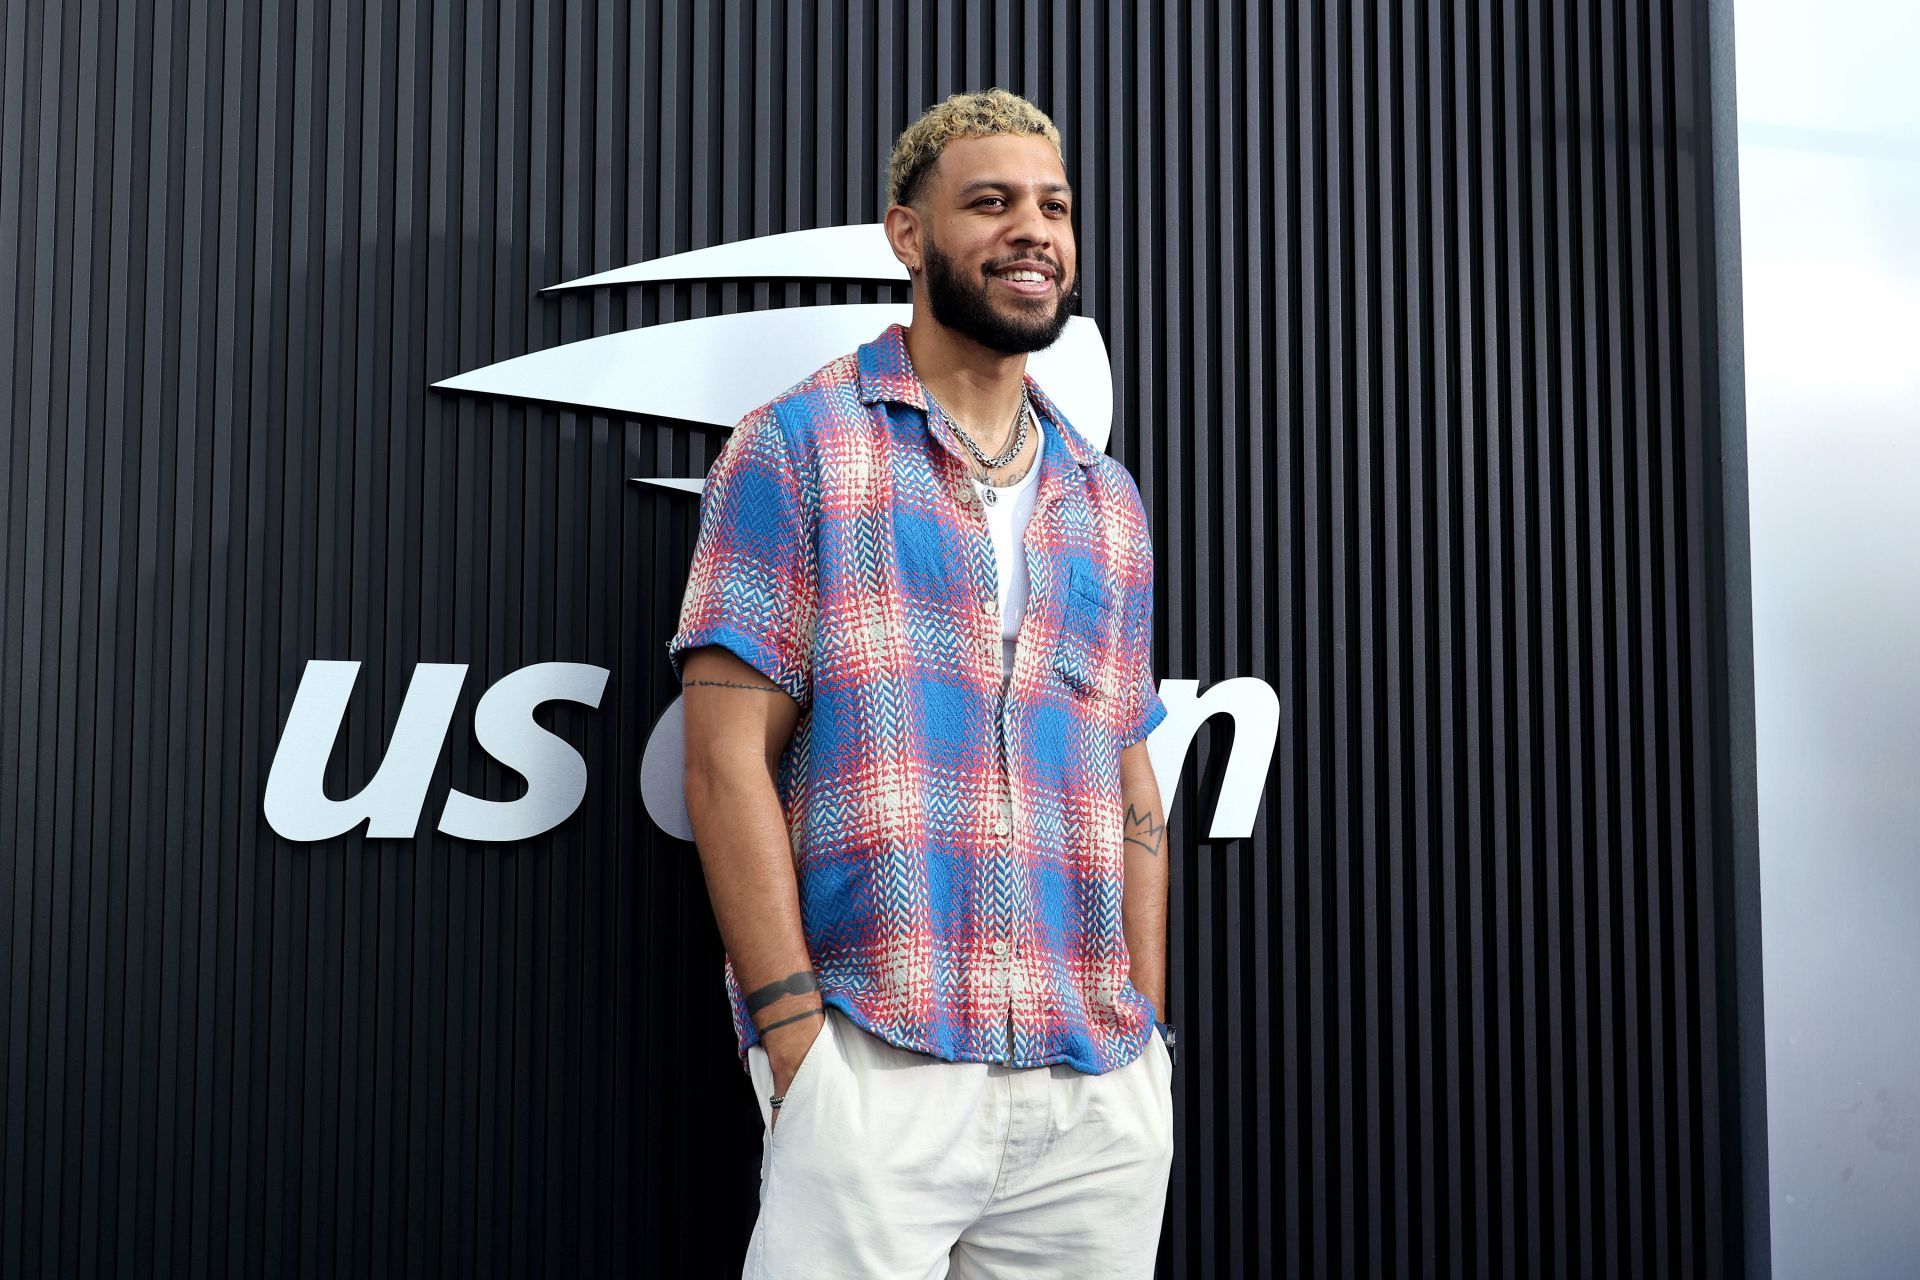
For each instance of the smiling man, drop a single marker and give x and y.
(915, 653)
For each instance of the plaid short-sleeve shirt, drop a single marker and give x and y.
(957, 837)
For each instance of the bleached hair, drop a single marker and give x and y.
(964, 115)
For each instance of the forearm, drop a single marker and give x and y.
(747, 859)
(1144, 900)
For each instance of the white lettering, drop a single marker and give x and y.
(556, 775)
(1249, 700)
(1255, 710)
(296, 803)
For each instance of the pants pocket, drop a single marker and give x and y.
(797, 1103)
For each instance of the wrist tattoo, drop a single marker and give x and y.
(794, 984)
(729, 684)
(817, 1011)
(1144, 831)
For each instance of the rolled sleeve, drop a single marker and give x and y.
(1146, 710)
(751, 587)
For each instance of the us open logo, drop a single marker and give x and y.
(690, 370)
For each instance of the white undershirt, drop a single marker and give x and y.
(1007, 515)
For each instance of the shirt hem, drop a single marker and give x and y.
(845, 1004)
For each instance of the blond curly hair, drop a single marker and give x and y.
(985, 114)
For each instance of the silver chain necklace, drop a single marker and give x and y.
(1017, 429)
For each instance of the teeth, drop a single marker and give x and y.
(1034, 276)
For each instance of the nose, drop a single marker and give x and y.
(1031, 229)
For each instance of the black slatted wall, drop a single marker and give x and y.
(1413, 318)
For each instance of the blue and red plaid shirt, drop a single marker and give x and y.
(957, 835)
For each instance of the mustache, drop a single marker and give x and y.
(1040, 258)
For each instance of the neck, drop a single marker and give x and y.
(976, 385)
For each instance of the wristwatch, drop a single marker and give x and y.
(1166, 1034)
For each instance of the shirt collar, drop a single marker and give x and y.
(887, 374)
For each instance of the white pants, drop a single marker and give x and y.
(892, 1163)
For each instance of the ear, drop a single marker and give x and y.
(904, 234)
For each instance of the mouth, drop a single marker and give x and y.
(1027, 279)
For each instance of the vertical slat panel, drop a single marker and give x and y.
(1413, 321)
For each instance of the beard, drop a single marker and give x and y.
(964, 305)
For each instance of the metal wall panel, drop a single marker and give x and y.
(1412, 313)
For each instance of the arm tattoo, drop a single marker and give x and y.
(794, 984)
(815, 1012)
(1144, 831)
(728, 684)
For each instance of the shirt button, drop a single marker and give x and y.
(987, 603)
(1001, 828)
(999, 948)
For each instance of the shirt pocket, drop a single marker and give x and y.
(1083, 653)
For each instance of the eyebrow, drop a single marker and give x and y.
(1051, 188)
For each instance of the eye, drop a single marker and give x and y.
(1056, 206)
(985, 199)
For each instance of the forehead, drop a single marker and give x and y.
(1025, 160)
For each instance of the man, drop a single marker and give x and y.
(914, 648)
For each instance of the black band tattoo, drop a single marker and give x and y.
(1144, 831)
(728, 684)
(794, 984)
(816, 1012)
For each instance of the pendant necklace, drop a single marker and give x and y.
(980, 455)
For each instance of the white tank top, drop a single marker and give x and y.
(1008, 510)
